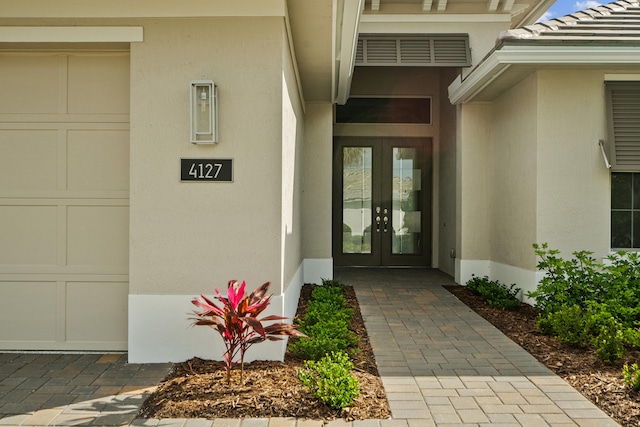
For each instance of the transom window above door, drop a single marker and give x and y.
(385, 110)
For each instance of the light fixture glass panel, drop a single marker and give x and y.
(203, 112)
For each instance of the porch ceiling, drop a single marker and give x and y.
(523, 12)
(325, 32)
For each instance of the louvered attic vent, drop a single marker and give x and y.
(416, 51)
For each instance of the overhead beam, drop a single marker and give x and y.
(346, 42)
(426, 5)
(375, 5)
(492, 6)
(442, 5)
(508, 5)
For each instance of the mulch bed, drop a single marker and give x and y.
(198, 388)
(600, 383)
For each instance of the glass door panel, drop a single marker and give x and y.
(356, 199)
(406, 217)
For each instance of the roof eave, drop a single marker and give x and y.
(346, 21)
(538, 55)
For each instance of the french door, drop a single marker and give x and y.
(382, 201)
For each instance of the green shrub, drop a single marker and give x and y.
(333, 283)
(330, 380)
(609, 343)
(320, 311)
(495, 293)
(631, 376)
(333, 295)
(324, 337)
(608, 293)
(583, 281)
(631, 337)
(570, 325)
(544, 324)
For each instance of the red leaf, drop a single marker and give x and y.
(255, 324)
(235, 292)
(273, 317)
(258, 294)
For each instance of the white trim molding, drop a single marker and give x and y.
(316, 269)
(160, 330)
(527, 280)
(432, 18)
(71, 34)
(139, 8)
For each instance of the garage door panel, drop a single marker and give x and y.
(91, 83)
(98, 235)
(28, 311)
(28, 160)
(98, 160)
(97, 311)
(30, 84)
(64, 196)
(29, 235)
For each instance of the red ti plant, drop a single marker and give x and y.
(236, 320)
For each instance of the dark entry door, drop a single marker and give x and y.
(382, 201)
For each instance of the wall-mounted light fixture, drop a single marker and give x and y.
(204, 112)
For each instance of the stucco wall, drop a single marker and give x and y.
(189, 237)
(473, 147)
(292, 158)
(446, 153)
(547, 181)
(573, 184)
(318, 149)
(513, 175)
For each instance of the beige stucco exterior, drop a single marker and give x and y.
(573, 184)
(279, 66)
(182, 237)
(187, 238)
(541, 171)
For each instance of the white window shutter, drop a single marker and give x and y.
(623, 105)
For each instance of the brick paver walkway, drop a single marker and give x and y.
(441, 365)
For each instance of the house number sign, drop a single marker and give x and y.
(213, 170)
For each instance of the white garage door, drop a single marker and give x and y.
(64, 200)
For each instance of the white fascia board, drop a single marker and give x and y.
(139, 8)
(427, 23)
(71, 34)
(346, 42)
(462, 91)
(587, 55)
(433, 18)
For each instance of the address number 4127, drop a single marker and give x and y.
(205, 170)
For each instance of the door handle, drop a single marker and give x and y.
(378, 219)
(386, 220)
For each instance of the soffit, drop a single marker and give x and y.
(312, 30)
